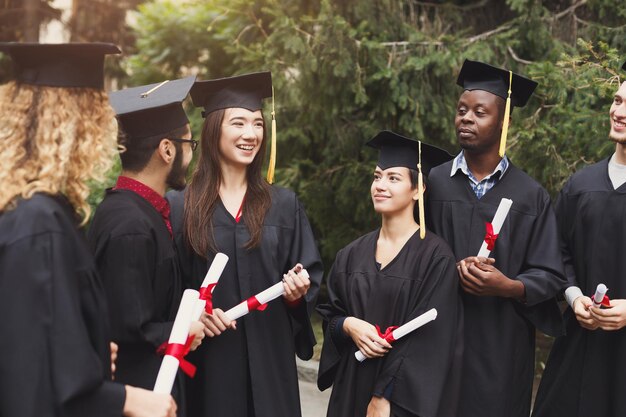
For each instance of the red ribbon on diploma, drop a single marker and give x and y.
(206, 294)
(605, 301)
(254, 304)
(388, 335)
(490, 237)
(179, 352)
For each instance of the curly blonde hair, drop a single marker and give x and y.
(54, 140)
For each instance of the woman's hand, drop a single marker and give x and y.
(365, 337)
(143, 403)
(296, 285)
(196, 330)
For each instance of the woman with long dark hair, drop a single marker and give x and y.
(386, 278)
(229, 207)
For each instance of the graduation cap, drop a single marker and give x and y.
(624, 66)
(152, 109)
(399, 151)
(59, 65)
(513, 88)
(242, 91)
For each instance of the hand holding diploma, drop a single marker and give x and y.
(259, 301)
(612, 318)
(366, 337)
(392, 333)
(479, 277)
(296, 284)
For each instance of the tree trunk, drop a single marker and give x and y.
(32, 20)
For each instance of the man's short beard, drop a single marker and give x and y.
(176, 179)
(621, 141)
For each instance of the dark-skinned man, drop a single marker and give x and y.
(510, 294)
(586, 371)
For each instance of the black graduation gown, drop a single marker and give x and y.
(253, 367)
(498, 365)
(424, 366)
(54, 345)
(586, 372)
(138, 265)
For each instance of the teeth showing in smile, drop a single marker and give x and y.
(246, 147)
(619, 124)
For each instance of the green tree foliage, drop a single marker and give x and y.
(344, 70)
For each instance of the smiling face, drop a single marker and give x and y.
(241, 136)
(478, 121)
(618, 116)
(392, 191)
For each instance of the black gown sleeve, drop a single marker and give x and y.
(127, 267)
(304, 251)
(333, 347)
(542, 274)
(563, 218)
(49, 365)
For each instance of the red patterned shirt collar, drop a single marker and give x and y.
(155, 199)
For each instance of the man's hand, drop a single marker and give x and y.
(479, 277)
(612, 318)
(379, 407)
(580, 306)
(365, 337)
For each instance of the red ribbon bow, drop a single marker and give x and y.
(490, 237)
(179, 351)
(605, 301)
(254, 304)
(206, 294)
(388, 335)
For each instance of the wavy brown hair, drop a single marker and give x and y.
(54, 140)
(202, 192)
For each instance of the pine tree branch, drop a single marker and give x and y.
(516, 58)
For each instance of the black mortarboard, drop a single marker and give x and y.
(152, 109)
(243, 91)
(398, 151)
(59, 65)
(476, 75)
(624, 66)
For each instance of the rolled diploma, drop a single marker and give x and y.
(264, 297)
(212, 277)
(406, 328)
(179, 334)
(601, 290)
(498, 221)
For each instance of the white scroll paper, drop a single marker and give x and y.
(406, 328)
(180, 332)
(212, 277)
(497, 222)
(263, 297)
(601, 290)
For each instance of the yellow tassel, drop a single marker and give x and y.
(420, 193)
(507, 115)
(272, 164)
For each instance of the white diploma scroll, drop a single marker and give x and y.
(601, 290)
(179, 334)
(263, 297)
(211, 277)
(406, 328)
(497, 222)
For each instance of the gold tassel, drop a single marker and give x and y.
(505, 122)
(272, 164)
(420, 193)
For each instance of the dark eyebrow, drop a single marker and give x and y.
(395, 173)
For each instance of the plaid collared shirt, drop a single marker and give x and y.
(479, 187)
